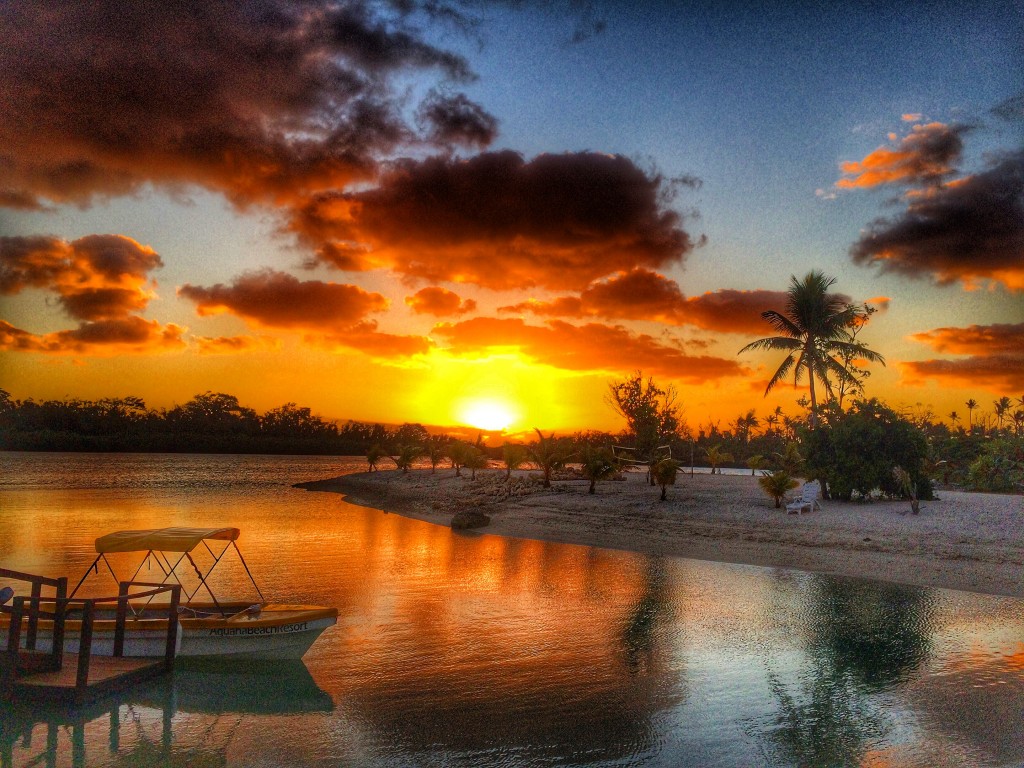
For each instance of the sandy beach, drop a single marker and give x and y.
(965, 541)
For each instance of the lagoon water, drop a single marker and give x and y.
(474, 650)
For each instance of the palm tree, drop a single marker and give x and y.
(597, 464)
(514, 456)
(374, 455)
(791, 460)
(460, 453)
(756, 462)
(435, 451)
(475, 459)
(971, 405)
(717, 456)
(1002, 407)
(954, 417)
(406, 455)
(548, 454)
(664, 474)
(777, 484)
(816, 327)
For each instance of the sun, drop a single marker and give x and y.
(492, 415)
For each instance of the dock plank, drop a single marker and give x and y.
(106, 673)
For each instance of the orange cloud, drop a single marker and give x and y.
(99, 280)
(439, 302)
(277, 300)
(1001, 338)
(969, 230)
(927, 154)
(995, 357)
(95, 277)
(119, 336)
(365, 338)
(501, 222)
(222, 345)
(260, 102)
(645, 295)
(591, 347)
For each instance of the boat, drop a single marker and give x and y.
(207, 628)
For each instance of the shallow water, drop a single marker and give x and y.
(473, 650)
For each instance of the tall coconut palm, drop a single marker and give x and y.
(971, 405)
(1002, 407)
(815, 328)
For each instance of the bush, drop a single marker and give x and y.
(854, 452)
(999, 468)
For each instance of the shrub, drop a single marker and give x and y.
(854, 452)
(999, 468)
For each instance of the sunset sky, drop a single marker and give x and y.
(452, 212)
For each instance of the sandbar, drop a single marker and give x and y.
(966, 541)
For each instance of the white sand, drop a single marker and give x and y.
(966, 541)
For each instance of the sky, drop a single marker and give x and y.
(457, 212)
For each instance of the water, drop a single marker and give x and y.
(473, 650)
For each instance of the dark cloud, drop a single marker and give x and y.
(644, 295)
(439, 302)
(929, 153)
(967, 230)
(499, 221)
(277, 300)
(1011, 110)
(590, 347)
(450, 119)
(994, 357)
(262, 100)
(130, 334)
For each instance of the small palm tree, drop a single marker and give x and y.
(374, 455)
(475, 459)
(435, 451)
(459, 452)
(597, 464)
(815, 329)
(548, 454)
(777, 484)
(664, 474)
(756, 462)
(406, 455)
(514, 456)
(791, 459)
(717, 456)
(954, 417)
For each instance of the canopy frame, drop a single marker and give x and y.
(169, 569)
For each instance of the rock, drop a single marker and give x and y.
(469, 518)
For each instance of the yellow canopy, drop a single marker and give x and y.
(162, 539)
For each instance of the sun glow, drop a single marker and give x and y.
(492, 415)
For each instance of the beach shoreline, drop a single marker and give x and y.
(965, 541)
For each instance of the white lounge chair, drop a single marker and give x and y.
(808, 498)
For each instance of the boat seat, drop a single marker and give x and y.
(6, 594)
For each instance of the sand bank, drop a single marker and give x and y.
(966, 541)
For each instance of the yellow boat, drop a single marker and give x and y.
(207, 628)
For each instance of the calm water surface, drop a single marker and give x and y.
(456, 650)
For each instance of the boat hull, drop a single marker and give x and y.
(277, 632)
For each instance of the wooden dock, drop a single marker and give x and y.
(76, 678)
(106, 674)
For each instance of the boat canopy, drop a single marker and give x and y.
(162, 539)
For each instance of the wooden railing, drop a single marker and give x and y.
(32, 609)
